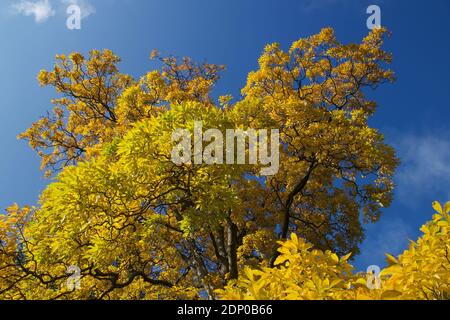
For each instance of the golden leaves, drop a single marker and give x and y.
(124, 210)
(419, 273)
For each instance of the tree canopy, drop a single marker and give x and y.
(139, 226)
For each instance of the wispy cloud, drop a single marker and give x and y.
(425, 168)
(388, 236)
(86, 7)
(41, 10)
(422, 177)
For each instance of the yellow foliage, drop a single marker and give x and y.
(421, 272)
(140, 227)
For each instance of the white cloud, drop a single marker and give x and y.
(87, 8)
(425, 168)
(41, 9)
(422, 177)
(390, 235)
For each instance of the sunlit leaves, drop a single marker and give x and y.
(140, 226)
(421, 272)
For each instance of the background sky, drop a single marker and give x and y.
(414, 112)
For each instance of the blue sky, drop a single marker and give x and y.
(414, 112)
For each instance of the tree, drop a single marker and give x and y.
(139, 226)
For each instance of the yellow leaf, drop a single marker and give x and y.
(391, 259)
(249, 273)
(390, 294)
(294, 237)
(443, 224)
(360, 282)
(437, 207)
(447, 207)
(334, 257)
(346, 257)
(280, 260)
(391, 270)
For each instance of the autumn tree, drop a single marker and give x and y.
(139, 226)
